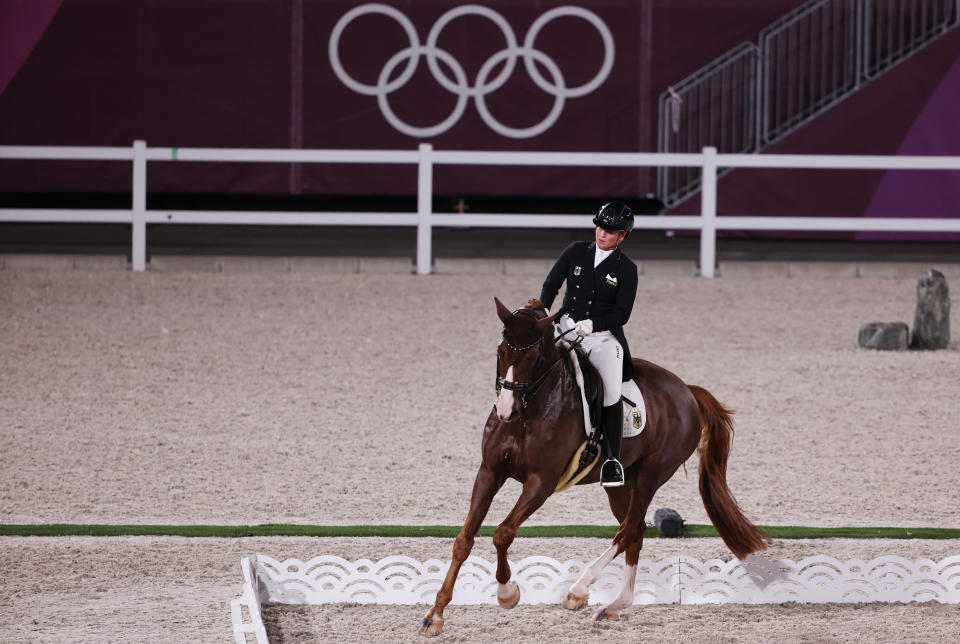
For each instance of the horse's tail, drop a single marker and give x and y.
(741, 536)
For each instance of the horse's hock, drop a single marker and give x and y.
(931, 322)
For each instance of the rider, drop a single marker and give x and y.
(601, 288)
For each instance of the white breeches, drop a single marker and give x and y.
(605, 353)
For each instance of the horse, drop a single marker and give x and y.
(531, 437)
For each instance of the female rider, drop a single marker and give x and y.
(601, 288)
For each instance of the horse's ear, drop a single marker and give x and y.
(544, 324)
(504, 313)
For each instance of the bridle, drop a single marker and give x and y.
(528, 389)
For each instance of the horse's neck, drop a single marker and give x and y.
(550, 351)
(551, 354)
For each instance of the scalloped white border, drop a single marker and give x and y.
(252, 620)
(542, 580)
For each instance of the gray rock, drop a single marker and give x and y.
(931, 322)
(885, 336)
(669, 522)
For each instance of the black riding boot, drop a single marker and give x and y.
(611, 474)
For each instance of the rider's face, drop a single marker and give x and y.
(607, 240)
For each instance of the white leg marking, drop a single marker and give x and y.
(582, 585)
(625, 598)
(507, 590)
(505, 399)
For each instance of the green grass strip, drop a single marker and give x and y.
(289, 530)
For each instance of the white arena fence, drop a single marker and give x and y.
(424, 219)
(542, 580)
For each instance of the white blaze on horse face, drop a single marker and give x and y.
(505, 399)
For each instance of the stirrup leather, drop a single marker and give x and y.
(611, 473)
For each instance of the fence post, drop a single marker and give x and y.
(138, 251)
(708, 212)
(424, 209)
(760, 99)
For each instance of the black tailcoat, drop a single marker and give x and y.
(604, 294)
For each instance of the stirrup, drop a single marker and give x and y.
(611, 473)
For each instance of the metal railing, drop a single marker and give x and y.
(806, 62)
(810, 62)
(894, 29)
(717, 104)
(424, 219)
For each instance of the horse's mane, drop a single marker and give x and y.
(534, 310)
(536, 305)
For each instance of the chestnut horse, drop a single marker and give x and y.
(532, 437)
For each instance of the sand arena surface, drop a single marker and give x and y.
(341, 399)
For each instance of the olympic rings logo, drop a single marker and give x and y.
(482, 85)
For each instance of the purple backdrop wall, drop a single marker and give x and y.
(22, 24)
(258, 73)
(248, 73)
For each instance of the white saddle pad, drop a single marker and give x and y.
(634, 409)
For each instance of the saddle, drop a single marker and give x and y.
(635, 417)
(634, 408)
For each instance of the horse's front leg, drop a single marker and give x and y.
(629, 539)
(533, 495)
(484, 489)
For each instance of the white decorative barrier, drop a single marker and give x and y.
(542, 580)
(245, 610)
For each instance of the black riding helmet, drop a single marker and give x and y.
(615, 216)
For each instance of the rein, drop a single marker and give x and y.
(527, 389)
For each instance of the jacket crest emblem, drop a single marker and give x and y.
(577, 270)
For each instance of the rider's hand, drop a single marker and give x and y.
(584, 328)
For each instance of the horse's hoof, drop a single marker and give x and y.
(431, 627)
(511, 601)
(604, 616)
(575, 602)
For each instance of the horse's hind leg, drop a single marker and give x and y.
(579, 594)
(484, 489)
(624, 598)
(629, 539)
(534, 493)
